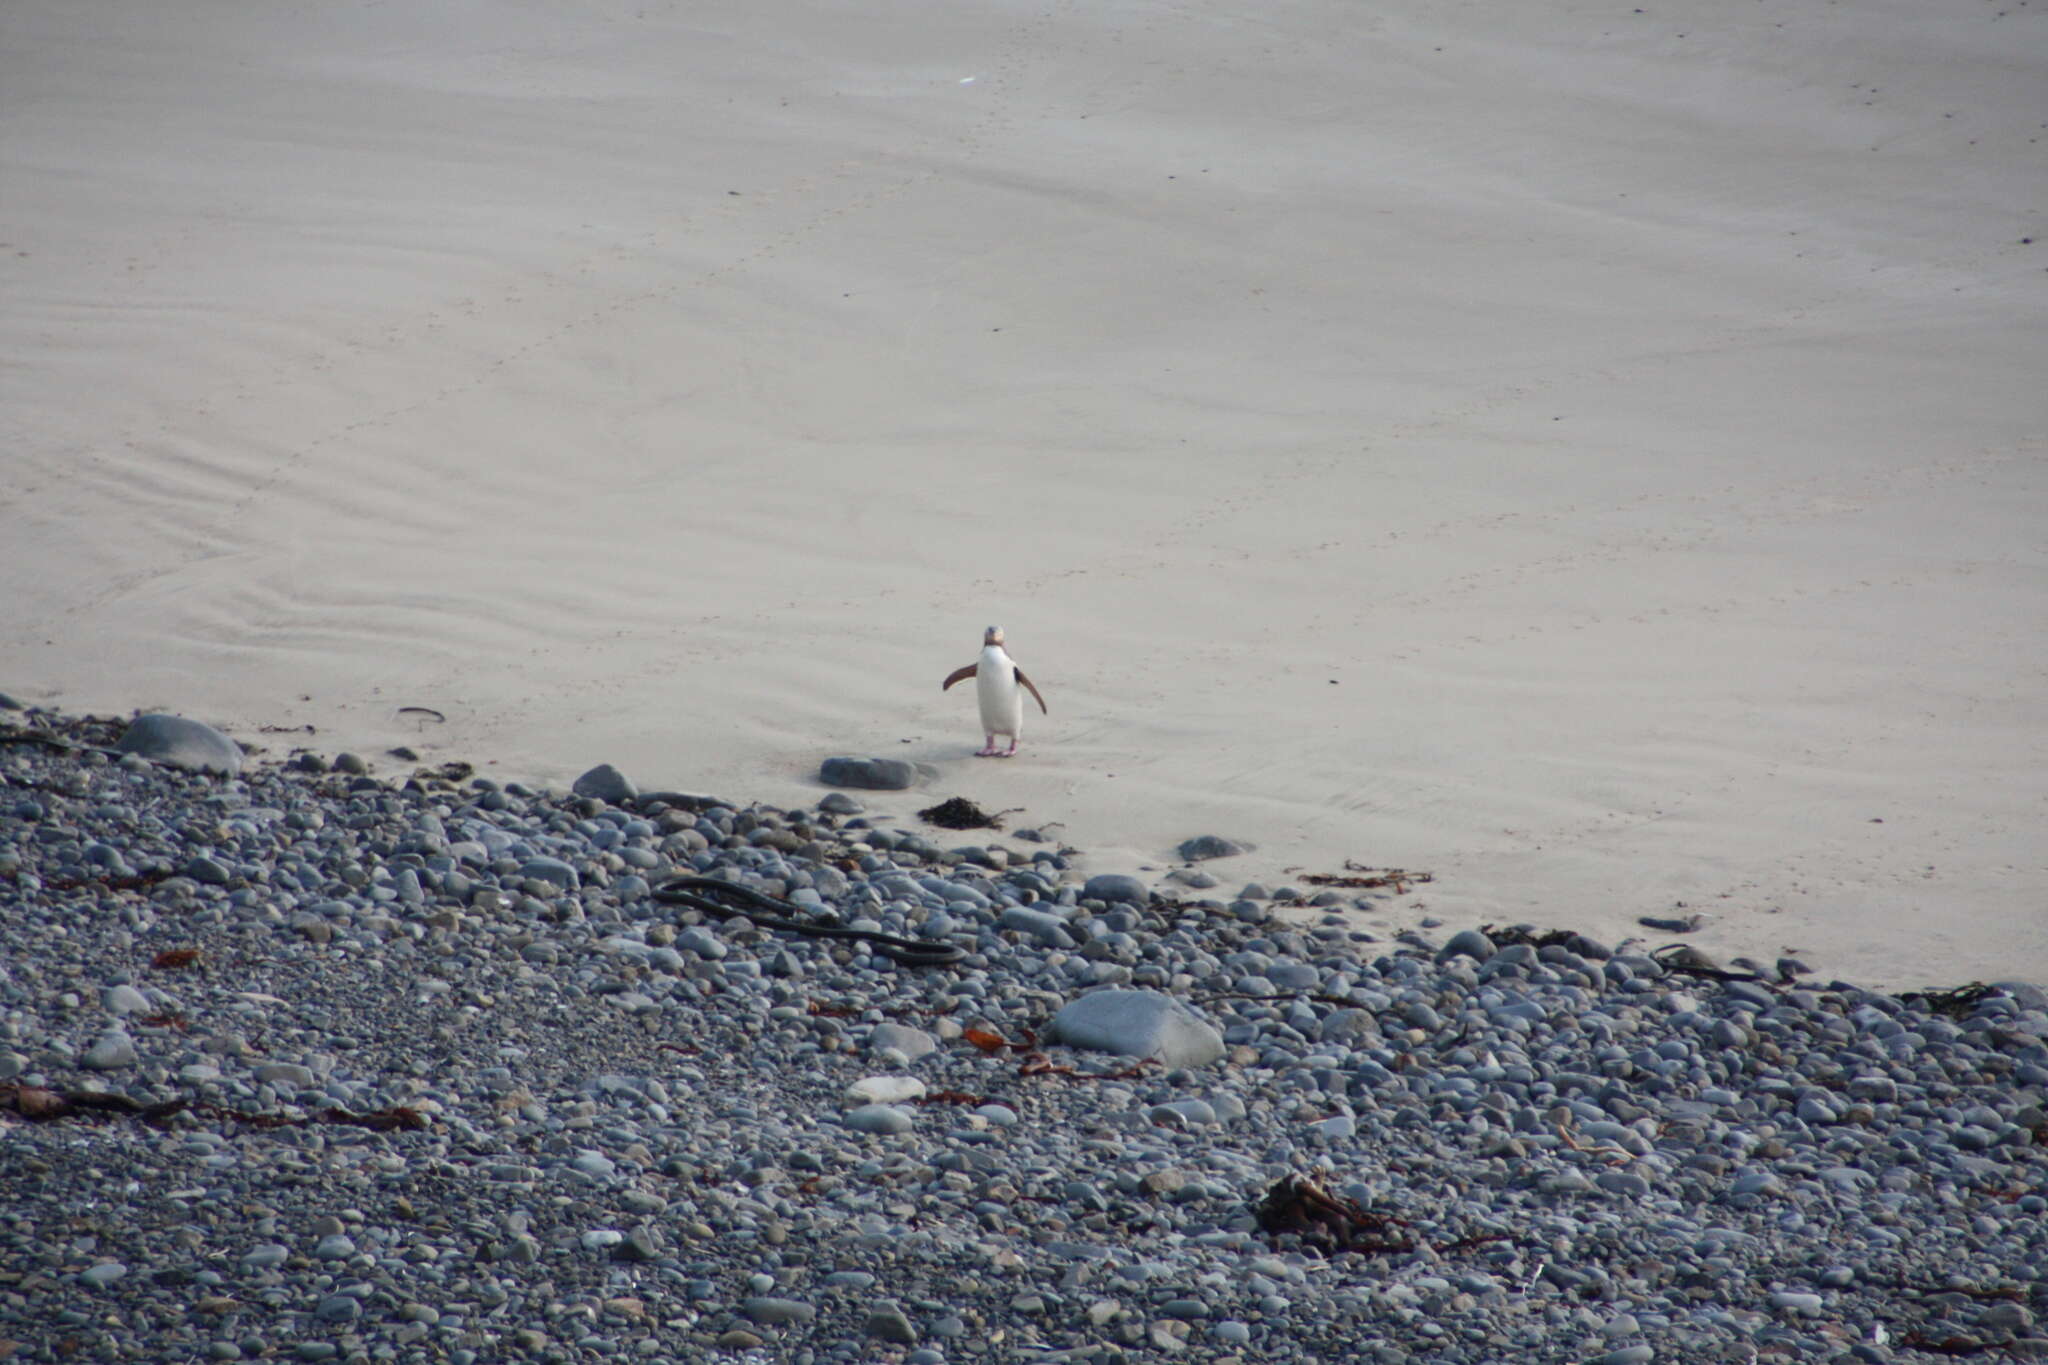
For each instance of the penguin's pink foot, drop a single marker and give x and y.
(988, 748)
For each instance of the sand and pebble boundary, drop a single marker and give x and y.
(304, 1062)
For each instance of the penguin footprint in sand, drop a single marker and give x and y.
(999, 685)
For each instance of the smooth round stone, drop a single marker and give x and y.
(1466, 943)
(913, 1043)
(1813, 1109)
(701, 941)
(289, 1074)
(551, 870)
(102, 1275)
(887, 1119)
(124, 999)
(1294, 976)
(776, 1312)
(1049, 930)
(336, 1248)
(181, 743)
(206, 871)
(1203, 847)
(591, 1162)
(888, 1322)
(1115, 887)
(266, 1256)
(998, 1115)
(849, 1279)
(1231, 1331)
(605, 783)
(1627, 1355)
(872, 774)
(1190, 1111)
(338, 1308)
(114, 1051)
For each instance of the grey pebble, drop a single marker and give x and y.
(115, 1051)
(775, 1312)
(888, 1119)
(102, 1275)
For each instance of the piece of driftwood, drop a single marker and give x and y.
(42, 1105)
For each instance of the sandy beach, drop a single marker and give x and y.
(1595, 454)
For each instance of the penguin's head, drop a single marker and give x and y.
(992, 636)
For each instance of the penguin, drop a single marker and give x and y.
(997, 682)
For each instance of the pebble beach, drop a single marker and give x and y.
(310, 1058)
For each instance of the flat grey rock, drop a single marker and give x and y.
(1138, 1024)
(1466, 943)
(182, 743)
(1203, 847)
(605, 783)
(873, 774)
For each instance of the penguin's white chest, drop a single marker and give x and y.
(995, 687)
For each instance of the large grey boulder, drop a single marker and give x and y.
(605, 783)
(182, 744)
(875, 774)
(1138, 1024)
(1206, 846)
(1115, 886)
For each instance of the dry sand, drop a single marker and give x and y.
(1593, 453)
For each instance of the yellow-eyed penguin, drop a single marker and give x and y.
(999, 686)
